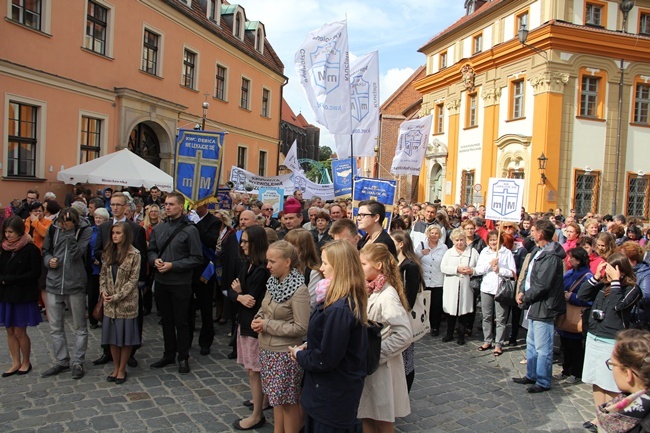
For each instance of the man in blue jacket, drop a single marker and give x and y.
(542, 293)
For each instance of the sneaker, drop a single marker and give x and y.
(560, 376)
(572, 379)
(77, 371)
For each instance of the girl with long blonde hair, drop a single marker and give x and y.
(334, 357)
(385, 393)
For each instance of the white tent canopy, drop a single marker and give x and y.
(119, 168)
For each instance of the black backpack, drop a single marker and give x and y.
(374, 346)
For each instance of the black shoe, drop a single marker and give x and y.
(248, 403)
(534, 389)
(447, 338)
(77, 371)
(590, 426)
(110, 378)
(523, 380)
(146, 311)
(120, 380)
(232, 355)
(205, 351)
(163, 362)
(104, 359)
(9, 373)
(55, 370)
(183, 366)
(460, 341)
(238, 426)
(24, 372)
(132, 362)
(435, 332)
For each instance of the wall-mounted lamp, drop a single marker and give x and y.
(588, 170)
(523, 36)
(640, 173)
(542, 160)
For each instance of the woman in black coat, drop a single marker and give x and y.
(20, 268)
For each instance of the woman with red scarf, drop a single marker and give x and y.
(20, 267)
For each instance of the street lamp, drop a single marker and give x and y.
(625, 7)
(205, 106)
(542, 160)
(523, 37)
(377, 161)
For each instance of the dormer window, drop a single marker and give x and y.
(595, 14)
(214, 11)
(187, 3)
(238, 26)
(259, 40)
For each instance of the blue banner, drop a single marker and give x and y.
(382, 190)
(224, 199)
(342, 171)
(198, 164)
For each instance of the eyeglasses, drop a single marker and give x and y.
(609, 363)
(243, 241)
(267, 208)
(117, 205)
(363, 215)
(508, 227)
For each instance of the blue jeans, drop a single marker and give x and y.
(539, 351)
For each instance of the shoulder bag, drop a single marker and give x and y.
(571, 321)
(98, 311)
(506, 292)
(374, 346)
(419, 314)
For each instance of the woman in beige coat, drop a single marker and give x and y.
(385, 394)
(457, 297)
(282, 322)
(118, 285)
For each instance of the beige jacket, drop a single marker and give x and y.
(286, 322)
(124, 289)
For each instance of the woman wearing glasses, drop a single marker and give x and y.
(370, 219)
(613, 291)
(630, 367)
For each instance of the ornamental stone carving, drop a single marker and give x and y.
(453, 106)
(491, 96)
(468, 77)
(546, 82)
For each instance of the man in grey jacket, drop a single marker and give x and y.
(174, 252)
(64, 250)
(542, 293)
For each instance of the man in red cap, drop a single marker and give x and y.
(292, 218)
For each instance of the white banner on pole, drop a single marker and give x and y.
(411, 146)
(364, 90)
(291, 160)
(245, 181)
(323, 66)
(505, 197)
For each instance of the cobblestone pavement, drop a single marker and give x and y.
(456, 389)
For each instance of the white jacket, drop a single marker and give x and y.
(491, 279)
(431, 263)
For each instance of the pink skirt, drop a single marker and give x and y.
(248, 352)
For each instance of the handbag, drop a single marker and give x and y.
(506, 292)
(571, 321)
(98, 311)
(374, 346)
(419, 315)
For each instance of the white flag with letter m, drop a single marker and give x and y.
(323, 67)
(411, 146)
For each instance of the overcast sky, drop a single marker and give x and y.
(396, 28)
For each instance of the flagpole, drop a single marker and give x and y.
(354, 165)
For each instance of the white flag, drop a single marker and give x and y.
(291, 160)
(323, 67)
(411, 146)
(364, 94)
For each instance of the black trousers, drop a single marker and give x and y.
(202, 300)
(435, 309)
(574, 356)
(463, 323)
(516, 323)
(93, 297)
(173, 302)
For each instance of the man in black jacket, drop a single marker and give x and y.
(209, 227)
(174, 252)
(542, 293)
(119, 203)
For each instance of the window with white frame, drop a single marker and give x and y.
(262, 166)
(150, 52)
(96, 28)
(594, 14)
(244, 101)
(22, 139)
(641, 103)
(242, 156)
(477, 43)
(220, 86)
(517, 99)
(91, 139)
(259, 40)
(238, 25)
(214, 11)
(189, 68)
(266, 99)
(589, 96)
(27, 12)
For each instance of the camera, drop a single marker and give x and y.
(598, 315)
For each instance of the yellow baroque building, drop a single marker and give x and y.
(577, 90)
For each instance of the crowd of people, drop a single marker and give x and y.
(298, 291)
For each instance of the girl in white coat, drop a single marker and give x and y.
(494, 262)
(385, 395)
(457, 266)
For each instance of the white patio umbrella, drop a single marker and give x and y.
(119, 168)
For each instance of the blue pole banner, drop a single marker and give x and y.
(382, 190)
(342, 171)
(224, 199)
(198, 164)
